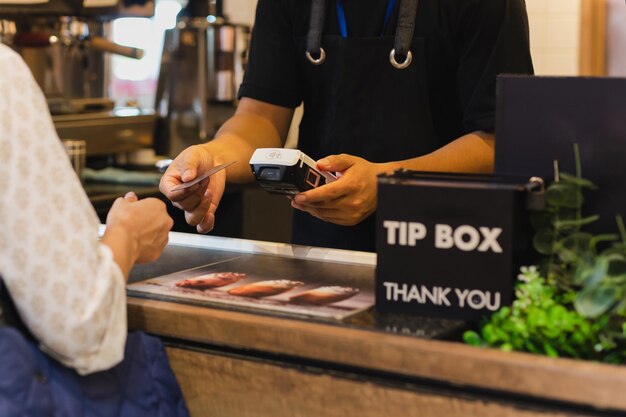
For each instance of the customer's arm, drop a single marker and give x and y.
(67, 286)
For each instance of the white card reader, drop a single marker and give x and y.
(287, 171)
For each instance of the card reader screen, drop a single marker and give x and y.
(269, 174)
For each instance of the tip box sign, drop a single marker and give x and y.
(448, 246)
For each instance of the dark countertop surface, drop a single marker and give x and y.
(177, 258)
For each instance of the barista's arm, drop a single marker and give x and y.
(472, 153)
(353, 197)
(254, 125)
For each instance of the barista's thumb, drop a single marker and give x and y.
(336, 163)
(189, 164)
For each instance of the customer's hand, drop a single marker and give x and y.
(199, 201)
(347, 201)
(145, 221)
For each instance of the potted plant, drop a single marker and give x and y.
(573, 303)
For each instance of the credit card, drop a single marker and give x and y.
(203, 176)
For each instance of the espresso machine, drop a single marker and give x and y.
(202, 66)
(65, 45)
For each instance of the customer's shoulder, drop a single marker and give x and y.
(11, 62)
(8, 54)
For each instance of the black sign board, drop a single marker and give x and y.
(449, 246)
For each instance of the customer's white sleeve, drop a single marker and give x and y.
(64, 282)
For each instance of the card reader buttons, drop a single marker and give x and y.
(313, 178)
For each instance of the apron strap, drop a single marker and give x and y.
(402, 44)
(404, 34)
(314, 37)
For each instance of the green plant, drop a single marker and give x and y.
(575, 303)
(543, 320)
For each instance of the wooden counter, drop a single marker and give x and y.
(237, 363)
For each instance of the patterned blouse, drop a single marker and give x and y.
(65, 284)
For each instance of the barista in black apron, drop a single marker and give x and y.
(366, 93)
(366, 97)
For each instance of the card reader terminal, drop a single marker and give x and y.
(287, 171)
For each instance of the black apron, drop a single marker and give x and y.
(357, 102)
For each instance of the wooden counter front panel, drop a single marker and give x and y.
(224, 386)
(577, 382)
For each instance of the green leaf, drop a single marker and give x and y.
(558, 315)
(575, 224)
(536, 317)
(584, 268)
(581, 182)
(564, 195)
(530, 346)
(602, 238)
(550, 350)
(578, 338)
(620, 308)
(551, 331)
(543, 242)
(573, 247)
(507, 347)
(472, 338)
(592, 302)
(490, 334)
(591, 275)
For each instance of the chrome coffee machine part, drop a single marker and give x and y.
(65, 55)
(203, 61)
(65, 45)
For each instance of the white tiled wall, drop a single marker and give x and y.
(555, 35)
(616, 42)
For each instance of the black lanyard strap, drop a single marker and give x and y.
(314, 37)
(404, 34)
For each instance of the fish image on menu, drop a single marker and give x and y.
(214, 280)
(324, 295)
(265, 288)
(263, 282)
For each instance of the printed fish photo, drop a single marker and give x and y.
(271, 283)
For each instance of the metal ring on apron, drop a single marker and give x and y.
(318, 61)
(400, 65)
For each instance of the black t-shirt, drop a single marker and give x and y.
(468, 43)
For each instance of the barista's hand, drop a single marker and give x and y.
(347, 201)
(198, 201)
